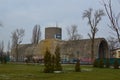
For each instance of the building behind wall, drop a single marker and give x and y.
(53, 33)
(115, 53)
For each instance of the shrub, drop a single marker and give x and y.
(107, 65)
(95, 64)
(77, 66)
(101, 63)
(116, 64)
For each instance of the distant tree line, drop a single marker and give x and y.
(17, 38)
(4, 57)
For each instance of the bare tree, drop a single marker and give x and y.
(114, 18)
(73, 33)
(17, 37)
(73, 37)
(112, 42)
(2, 55)
(93, 21)
(36, 36)
(8, 48)
(1, 47)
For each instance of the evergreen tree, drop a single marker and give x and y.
(58, 66)
(3, 59)
(47, 62)
(53, 62)
(77, 66)
(116, 64)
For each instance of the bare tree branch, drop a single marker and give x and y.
(114, 19)
(1, 46)
(112, 42)
(73, 33)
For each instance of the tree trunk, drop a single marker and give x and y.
(16, 51)
(92, 48)
(92, 51)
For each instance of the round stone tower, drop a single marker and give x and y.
(53, 33)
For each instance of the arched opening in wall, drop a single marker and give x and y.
(103, 50)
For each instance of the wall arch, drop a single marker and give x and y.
(103, 49)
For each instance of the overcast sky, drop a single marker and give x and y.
(27, 13)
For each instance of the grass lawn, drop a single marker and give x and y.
(34, 72)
